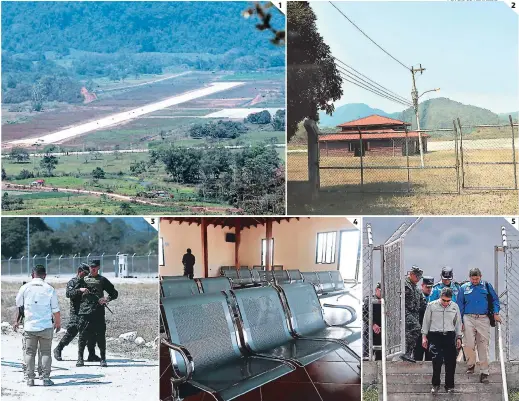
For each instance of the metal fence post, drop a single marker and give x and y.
(513, 151)
(461, 153)
(149, 269)
(457, 158)
(9, 264)
(59, 265)
(88, 256)
(407, 159)
(21, 265)
(102, 262)
(361, 160)
(33, 263)
(132, 263)
(46, 263)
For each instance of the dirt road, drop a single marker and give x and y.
(199, 209)
(124, 378)
(119, 118)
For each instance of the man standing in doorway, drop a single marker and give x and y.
(76, 288)
(441, 334)
(40, 305)
(414, 302)
(420, 351)
(92, 324)
(478, 303)
(377, 324)
(188, 260)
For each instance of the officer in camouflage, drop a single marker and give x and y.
(414, 302)
(92, 324)
(75, 289)
(419, 351)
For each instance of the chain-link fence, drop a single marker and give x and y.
(118, 265)
(367, 290)
(389, 161)
(510, 299)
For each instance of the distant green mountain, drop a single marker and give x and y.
(434, 113)
(348, 112)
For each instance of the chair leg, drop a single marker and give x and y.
(175, 391)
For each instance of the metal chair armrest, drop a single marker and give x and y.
(186, 355)
(348, 308)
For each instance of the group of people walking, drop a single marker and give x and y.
(38, 309)
(444, 319)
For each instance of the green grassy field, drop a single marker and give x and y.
(269, 75)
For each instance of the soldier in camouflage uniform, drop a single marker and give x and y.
(414, 302)
(76, 287)
(92, 324)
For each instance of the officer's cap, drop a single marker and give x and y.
(378, 285)
(95, 263)
(428, 281)
(447, 273)
(416, 270)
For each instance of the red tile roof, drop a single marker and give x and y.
(367, 136)
(373, 120)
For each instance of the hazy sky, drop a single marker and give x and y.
(470, 49)
(459, 242)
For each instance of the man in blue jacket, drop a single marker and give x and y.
(477, 299)
(447, 277)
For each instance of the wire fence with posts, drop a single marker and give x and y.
(118, 265)
(457, 159)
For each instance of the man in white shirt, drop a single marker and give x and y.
(40, 303)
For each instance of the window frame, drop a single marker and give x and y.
(334, 248)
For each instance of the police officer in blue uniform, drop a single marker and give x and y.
(420, 351)
(447, 281)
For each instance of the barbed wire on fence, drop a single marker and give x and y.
(135, 265)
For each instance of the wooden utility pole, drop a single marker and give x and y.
(414, 95)
(205, 256)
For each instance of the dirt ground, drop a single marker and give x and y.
(136, 309)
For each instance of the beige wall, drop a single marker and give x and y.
(178, 237)
(294, 244)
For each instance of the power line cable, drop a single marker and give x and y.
(376, 93)
(356, 78)
(369, 79)
(380, 47)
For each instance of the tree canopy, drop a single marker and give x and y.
(313, 80)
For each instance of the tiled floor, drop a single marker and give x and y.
(335, 377)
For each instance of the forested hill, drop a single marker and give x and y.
(108, 27)
(434, 113)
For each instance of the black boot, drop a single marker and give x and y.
(92, 357)
(80, 361)
(103, 357)
(57, 352)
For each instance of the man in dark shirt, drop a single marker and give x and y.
(188, 260)
(75, 289)
(92, 324)
(420, 351)
(377, 324)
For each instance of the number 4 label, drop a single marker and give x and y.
(355, 221)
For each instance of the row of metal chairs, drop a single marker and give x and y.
(278, 328)
(182, 286)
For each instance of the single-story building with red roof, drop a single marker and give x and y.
(379, 134)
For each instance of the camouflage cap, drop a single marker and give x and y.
(428, 281)
(95, 263)
(84, 267)
(378, 285)
(417, 271)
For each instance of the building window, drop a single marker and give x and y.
(264, 251)
(325, 250)
(161, 252)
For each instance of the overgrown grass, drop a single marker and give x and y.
(136, 309)
(269, 75)
(513, 395)
(370, 393)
